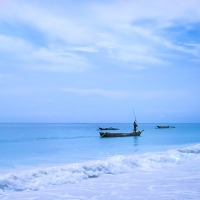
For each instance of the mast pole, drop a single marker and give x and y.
(134, 114)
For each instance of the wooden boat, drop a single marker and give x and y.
(109, 128)
(109, 134)
(165, 126)
(121, 134)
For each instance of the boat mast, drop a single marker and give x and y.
(134, 114)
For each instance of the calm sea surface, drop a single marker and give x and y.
(39, 158)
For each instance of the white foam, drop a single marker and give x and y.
(40, 178)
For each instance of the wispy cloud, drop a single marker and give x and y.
(87, 49)
(125, 37)
(21, 53)
(57, 60)
(14, 45)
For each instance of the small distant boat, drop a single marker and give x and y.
(109, 128)
(165, 126)
(108, 134)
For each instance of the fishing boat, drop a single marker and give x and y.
(135, 132)
(109, 128)
(165, 126)
(109, 134)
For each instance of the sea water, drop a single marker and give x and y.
(71, 161)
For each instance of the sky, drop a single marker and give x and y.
(88, 61)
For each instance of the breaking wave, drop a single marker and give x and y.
(39, 178)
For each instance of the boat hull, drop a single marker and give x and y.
(110, 128)
(165, 126)
(109, 134)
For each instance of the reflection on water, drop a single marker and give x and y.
(136, 142)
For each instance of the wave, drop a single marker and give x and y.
(39, 178)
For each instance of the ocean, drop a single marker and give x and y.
(72, 162)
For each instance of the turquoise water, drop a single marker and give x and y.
(44, 144)
(43, 161)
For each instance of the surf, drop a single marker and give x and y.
(43, 177)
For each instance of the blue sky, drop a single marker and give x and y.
(94, 61)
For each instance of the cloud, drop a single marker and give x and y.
(151, 27)
(21, 53)
(61, 33)
(134, 57)
(13, 44)
(55, 25)
(124, 31)
(58, 60)
(144, 9)
(87, 49)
